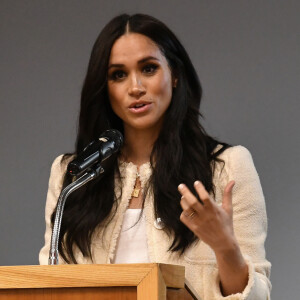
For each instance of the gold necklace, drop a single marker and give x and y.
(136, 190)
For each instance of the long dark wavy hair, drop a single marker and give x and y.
(183, 151)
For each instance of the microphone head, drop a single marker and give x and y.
(98, 151)
(112, 135)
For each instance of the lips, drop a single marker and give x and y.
(139, 106)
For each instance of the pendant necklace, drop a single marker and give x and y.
(136, 190)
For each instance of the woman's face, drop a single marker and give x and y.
(139, 82)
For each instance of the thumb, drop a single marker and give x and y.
(227, 197)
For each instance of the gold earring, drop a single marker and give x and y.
(175, 83)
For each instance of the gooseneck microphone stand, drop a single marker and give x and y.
(91, 174)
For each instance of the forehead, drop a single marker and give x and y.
(134, 46)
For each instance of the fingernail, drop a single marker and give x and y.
(181, 186)
(196, 182)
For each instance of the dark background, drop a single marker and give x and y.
(247, 57)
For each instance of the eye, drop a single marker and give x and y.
(117, 75)
(150, 69)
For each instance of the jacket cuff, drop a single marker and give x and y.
(254, 290)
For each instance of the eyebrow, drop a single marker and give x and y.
(139, 62)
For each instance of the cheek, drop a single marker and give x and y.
(115, 99)
(163, 89)
(112, 93)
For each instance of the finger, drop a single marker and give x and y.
(187, 218)
(189, 198)
(203, 194)
(187, 214)
(187, 210)
(227, 197)
(184, 204)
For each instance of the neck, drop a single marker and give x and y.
(138, 145)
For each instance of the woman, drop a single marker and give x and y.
(168, 196)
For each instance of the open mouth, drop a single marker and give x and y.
(140, 107)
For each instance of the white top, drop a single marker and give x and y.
(132, 245)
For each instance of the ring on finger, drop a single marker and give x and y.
(191, 215)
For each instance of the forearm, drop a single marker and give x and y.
(233, 270)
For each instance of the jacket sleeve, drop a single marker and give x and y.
(250, 225)
(54, 189)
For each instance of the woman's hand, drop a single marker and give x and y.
(208, 221)
(213, 224)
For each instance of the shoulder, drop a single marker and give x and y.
(236, 164)
(58, 170)
(57, 164)
(237, 158)
(235, 153)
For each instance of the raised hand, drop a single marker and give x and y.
(213, 224)
(210, 222)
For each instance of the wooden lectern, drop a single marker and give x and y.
(93, 282)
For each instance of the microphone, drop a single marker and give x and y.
(109, 142)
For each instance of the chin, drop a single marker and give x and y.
(145, 125)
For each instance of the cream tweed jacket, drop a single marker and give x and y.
(249, 219)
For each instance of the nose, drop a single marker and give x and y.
(136, 88)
